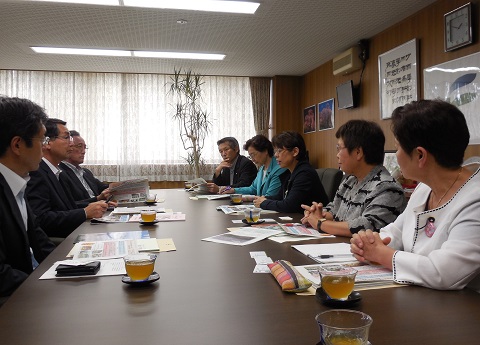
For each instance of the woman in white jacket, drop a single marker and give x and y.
(435, 242)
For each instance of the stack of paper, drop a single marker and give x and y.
(326, 252)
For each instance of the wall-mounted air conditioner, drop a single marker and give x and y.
(347, 62)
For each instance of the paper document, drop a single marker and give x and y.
(112, 267)
(136, 209)
(104, 249)
(242, 236)
(238, 209)
(105, 236)
(131, 191)
(161, 217)
(327, 252)
(301, 230)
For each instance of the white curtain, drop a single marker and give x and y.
(126, 119)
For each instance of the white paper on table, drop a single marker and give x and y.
(340, 252)
(261, 269)
(258, 253)
(242, 236)
(265, 220)
(213, 196)
(137, 209)
(111, 267)
(263, 260)
(282, 238)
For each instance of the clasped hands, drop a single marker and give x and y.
(312, 214)
(367, 245)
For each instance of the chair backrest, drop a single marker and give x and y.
(331, 179)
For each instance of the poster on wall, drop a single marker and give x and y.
(458, 82)
(309, 116)
(397, 71)
(326, 114)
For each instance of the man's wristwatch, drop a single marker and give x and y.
(319, 224)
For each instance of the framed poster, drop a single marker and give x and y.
(326, 114)
(397, 72)
(457, 82)
(309, 116)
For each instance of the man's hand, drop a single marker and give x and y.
(223, 164)
(96, 209)
(213, 188)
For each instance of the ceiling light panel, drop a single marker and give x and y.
(197, 5)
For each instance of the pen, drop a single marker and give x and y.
(109, 199)
(327, 256)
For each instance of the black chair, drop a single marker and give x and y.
(331, 179)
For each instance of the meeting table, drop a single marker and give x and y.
(208, 294)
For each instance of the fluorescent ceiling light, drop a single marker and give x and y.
(81, 51)
(89, 2)
(112, 52)
(198, 5)
(195, 5)
(176, 55)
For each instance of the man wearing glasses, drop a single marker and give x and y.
(235, 170)
(22, 243)
(85, 188)
(52, 203)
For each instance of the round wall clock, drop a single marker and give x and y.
(458, 27)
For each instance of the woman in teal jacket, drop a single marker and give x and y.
(267, 182)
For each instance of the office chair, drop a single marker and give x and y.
(331, 179)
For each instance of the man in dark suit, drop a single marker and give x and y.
(51, 202)
(81, 183)
(22, 243)
(235, 170)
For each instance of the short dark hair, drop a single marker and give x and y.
(52, 128)
(232, 142)
(74, 133)
(437, 126)
(365, 134)
(19, 117)
(259, 143)
(289, 140)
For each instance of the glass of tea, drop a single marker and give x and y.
(343, 327)
(337, 281)
(139, 266)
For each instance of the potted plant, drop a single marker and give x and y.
(193, 120)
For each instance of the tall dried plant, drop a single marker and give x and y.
(194, 121)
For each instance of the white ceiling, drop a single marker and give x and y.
(284, 37)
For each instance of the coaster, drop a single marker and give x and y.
(152, 278)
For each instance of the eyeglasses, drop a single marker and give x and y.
(81, 147)
(44, 140)
(279, 151)
(64, 137)
(340, 148)
(252, 155)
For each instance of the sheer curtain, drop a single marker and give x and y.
(126, 119)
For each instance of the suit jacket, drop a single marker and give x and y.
(268, 186)
(76, 188)
(302, 186)
(53, 205)
(15, 242)
(244, 174)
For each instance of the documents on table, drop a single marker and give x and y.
(113, 235)
(326, 252)
(161, 217)
(301, 230)
(261, 260)
(137, 209)
(242, 236)
(213, 196)
(110, 267)
(239, 209)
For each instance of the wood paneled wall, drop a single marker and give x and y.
(293, 94)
